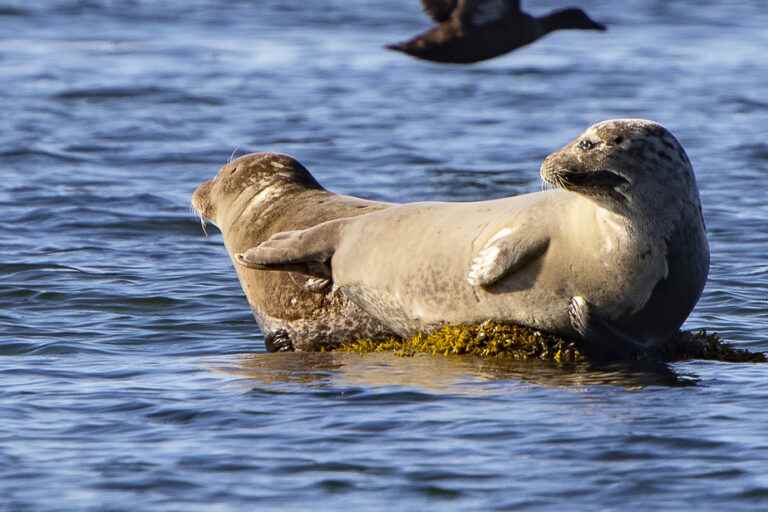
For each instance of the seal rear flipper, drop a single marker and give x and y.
(605, 339)
(507, 251)
(298, 251)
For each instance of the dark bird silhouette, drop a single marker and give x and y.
(474, 30)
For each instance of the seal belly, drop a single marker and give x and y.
(416, 279)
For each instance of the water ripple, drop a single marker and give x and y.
(133, 372)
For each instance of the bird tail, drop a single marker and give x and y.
(398, 47)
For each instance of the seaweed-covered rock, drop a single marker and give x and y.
(494, 340)
(702, 345)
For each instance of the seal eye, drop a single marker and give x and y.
(586, 144)
(618, 140)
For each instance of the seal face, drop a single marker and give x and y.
(626, 164)
(474, 30)
(616, 253)
(258, 195)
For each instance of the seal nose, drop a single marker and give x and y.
(545, 171)
(201, 201)
(553, 166)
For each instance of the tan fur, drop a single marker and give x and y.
(624, 231)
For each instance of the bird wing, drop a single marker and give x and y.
(484, 12)
(439, 10)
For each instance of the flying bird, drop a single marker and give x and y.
(474, 30)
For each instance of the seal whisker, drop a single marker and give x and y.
(199, 215)
(232, 155)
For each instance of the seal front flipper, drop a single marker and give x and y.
(605, 339)
(298, 251)
(508, 250)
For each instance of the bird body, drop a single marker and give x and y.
(475, 30)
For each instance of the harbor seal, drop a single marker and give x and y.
(616, 253)
(263, 193)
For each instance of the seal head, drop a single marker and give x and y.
(627, 165)
(239, 181)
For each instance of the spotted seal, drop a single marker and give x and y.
(615, 253)
(263, 193)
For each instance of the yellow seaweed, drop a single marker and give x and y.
(496, 340)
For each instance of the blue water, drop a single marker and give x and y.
(133, 376)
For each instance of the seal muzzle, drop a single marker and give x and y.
(563, 170)
(201, 201)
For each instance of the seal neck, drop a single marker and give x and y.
(640, 220)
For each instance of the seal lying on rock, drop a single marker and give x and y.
(616, 253)
(474, 30)
(263, 193)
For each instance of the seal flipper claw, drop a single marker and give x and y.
(278, 341)
(319, 277)
(579, 315)
(606, 338)
(317, 284)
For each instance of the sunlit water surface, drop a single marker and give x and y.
(133, 375)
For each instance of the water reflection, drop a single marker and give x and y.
(444, 374)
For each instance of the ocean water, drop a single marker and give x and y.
(132, 375)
